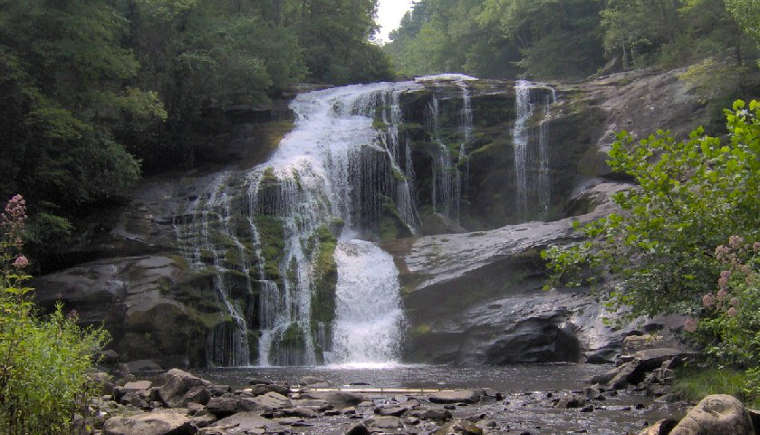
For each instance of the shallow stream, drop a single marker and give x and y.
(526, 408)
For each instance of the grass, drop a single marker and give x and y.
(693, 384)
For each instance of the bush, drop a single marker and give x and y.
(690, 197)
(689, 223)
(44, 364)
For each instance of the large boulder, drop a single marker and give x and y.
(177, 385)
(717, 414)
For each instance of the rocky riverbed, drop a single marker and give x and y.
(534, 399)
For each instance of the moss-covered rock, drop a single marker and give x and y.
(323, 295)
(272, 235)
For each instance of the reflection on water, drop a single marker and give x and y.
(511, 379)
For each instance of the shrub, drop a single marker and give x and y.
(44, 363)
(690, 197)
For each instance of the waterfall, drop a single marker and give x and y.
(281, 244)
(463, 161)
(207, 242)
(369, 318)
(445, 192)
(527, 107)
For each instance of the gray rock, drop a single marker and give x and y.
(154, 423)
(717, 414)
(198, 394)
(456, 396)
(136, 393)
(177, 383)
(299, 412)
(272, 401)
(229, 404)
(243, 423)
(396, 411)
(437, 415)
(260, 389)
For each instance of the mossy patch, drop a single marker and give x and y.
(325, 282)
(272, 235)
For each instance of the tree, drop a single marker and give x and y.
(691, 196)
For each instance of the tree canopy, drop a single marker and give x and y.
(93, 92)
(552, 39)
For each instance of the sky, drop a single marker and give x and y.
(389, 14)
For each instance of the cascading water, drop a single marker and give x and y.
(369, 318)
(445, 192)
(281, 241)
(205, 240)
(463, 160)
(527, 107)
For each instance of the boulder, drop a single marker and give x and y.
(178, 383)
(272, 401)
(154, 423)
(136, 393)
(456, 396)
(717, 414)
(260, 389)
(229, 404)
(384, 423)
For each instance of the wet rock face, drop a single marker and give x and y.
(476, 298)
(131, 297)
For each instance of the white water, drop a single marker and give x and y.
(335, 171)
(334, 165)
(369, 319)
(521, 134)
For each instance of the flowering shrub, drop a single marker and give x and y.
(43, 363)
(730, 323)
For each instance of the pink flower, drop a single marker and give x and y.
(722, 293)
(721, 251)
(734, 302)
(731, 312)
(756, 246)
(690, 325)
(708, 301)
(21, 262)
(735, 241)
(723, 280)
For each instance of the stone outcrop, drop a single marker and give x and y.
(129, 272)
(717, 414)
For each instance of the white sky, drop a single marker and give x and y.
(389, 14)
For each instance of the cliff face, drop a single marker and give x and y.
(470, 284)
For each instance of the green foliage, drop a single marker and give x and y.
(44, 363)
(691, 196)
(272, 235)
(693, 383)
(568, 39)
